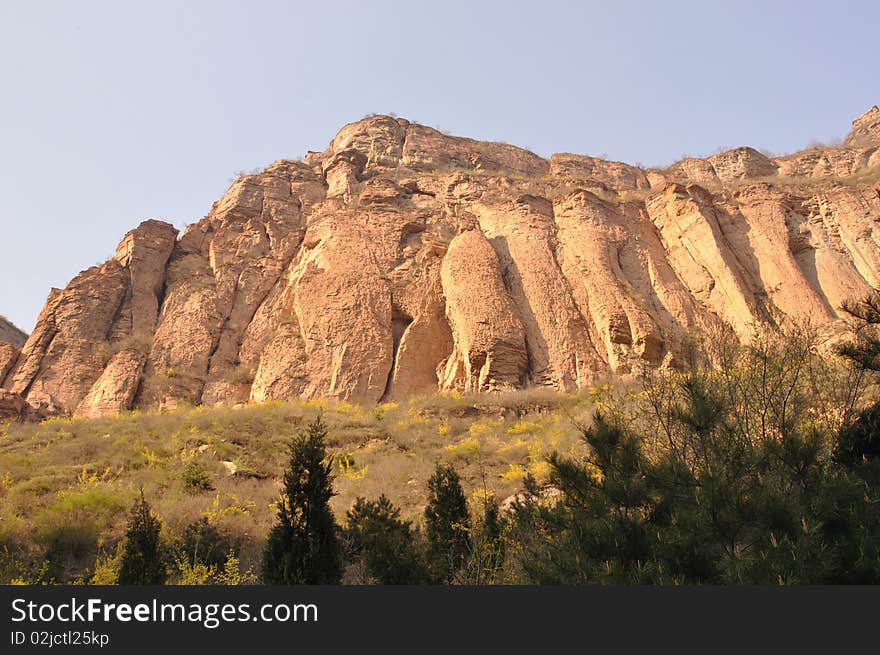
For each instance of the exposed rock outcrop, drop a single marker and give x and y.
(865, 130)
(8, 356)
(107, 312)
(403, 260)
(11, 334)
(614, 174)
(12, 405)
(741, 163)
(489, 337)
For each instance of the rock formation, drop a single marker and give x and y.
(11, 334)
(12, 405)
(402, 260)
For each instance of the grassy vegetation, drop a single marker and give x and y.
(66, 485)
(755, 475)
(695, 471)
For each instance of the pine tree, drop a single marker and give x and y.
(864, 350)
(303, 546)
(447, 523)
(858, 443)
(142, 557)
(376, 535)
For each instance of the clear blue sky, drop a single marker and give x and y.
(114, 112)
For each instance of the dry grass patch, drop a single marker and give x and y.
(184, 459)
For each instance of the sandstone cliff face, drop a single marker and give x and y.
(91, 339)
(865, 130)
(12, 405)
(402, 260)
(8, 356)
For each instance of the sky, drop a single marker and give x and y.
(115, 112)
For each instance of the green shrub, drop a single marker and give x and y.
(231, 573)
(386, 545)
(196, 479)
(106, 570)
(487, 548)
(76, 523)
(18, 568)
(858, 446)
(191, 573)
(202, 542)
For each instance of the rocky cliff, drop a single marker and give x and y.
(402, 260)
(11, 339)
(11, 334)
